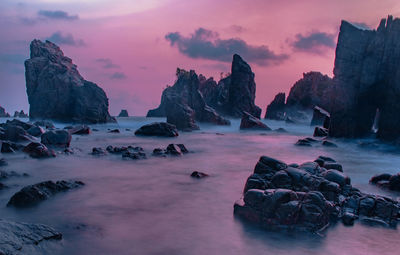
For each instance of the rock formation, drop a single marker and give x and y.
(320, 117)
(250, 122)
(157, 129)
(308, 197)
(366, 81)
(314, 89)
(20, 114)
(3, 113)
(57, 91)
(123, 113)
(232, 95)
(183, 103)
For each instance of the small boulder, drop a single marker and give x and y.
(250, 122)
(98, 151)
(157, 129)
(79, 130)
(38, 150)
(198, 175)
(56, 138)
(35, 131)
(134, 155)
(329, 144)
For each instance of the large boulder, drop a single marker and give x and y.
(33, 194)
(57, 91)
(26, 238)
(276, 109)
(366, 81)
(56, 138)
(250, 122)
(158, 129)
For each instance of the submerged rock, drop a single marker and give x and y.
(250, 122)
(198, 175)
(387, 181)
(26, 238)
(320, 132)
(56, 138)
(123, 113)
(116, 131)
(158, 129)
(134, 154)
(57, 91)
(33, 194)
(308, 197)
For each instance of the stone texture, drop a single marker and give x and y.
(250, 122)
(56, 138)
(38, 150)
(320, 117)
(367, 71)
(158, 129)
(57, 91)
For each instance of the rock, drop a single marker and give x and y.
(56, 138)
(303, 142)
(44, 123)
(198, 175)
(388, 181)
(250, 122)
(329, 144)
(320, 117)
(158, 129)
(79, 130)
(116, 131)
(26, 238)
(276, 109)
(123, 113)
(35, 131)
(38, 150)
(3, 162)
(308, 198)
(57, 91)
(183, 104)
(133, 155)
(174, 149)
(281, 130)
(320, 131)
(20, 114)
(33, 194)
(3, 113)
(366, 84)
(98, 151)
(14, 133)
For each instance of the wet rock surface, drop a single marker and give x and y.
(387, 181)
(309, 197)
(34, 194)
(57, 91)
(158, 129)
(252, 123)
(25, 238)
(198, 175)
(38, 150)
(320, 117)
(56, 138)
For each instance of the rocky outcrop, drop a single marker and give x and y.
(20, 114)
(3, 113)
(123, 113)
(26, 238)
(232, 96)
(183, 103)
(308, 197)
(158, 129)
(252, 123)
(366, 81)
(57, 91)
(320, 117)
(276, 109)
(33, 194)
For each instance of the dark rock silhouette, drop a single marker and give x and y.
(38, 150)
(20, 114)
(387, 181)
(57, 91)
(320, 117)
(56, 138)
(158, 129)
(250, 122)
(33, 194)
(183, 103)
(26, 238)
(3, 113)
(366, 79)
(276, 109)
(308, 197)
(123, 113)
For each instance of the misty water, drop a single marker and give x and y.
(153, 206)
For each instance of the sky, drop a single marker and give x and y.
(131, 48)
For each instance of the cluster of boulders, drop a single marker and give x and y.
(195, 98)
(3, 113)
(58, 92)
(309, 197)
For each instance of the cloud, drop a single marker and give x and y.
(107, 63)
(314, 42)
(68, 39)
(60, 15)
(206, 44)
(118, 76)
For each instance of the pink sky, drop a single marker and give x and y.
(132, 35)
